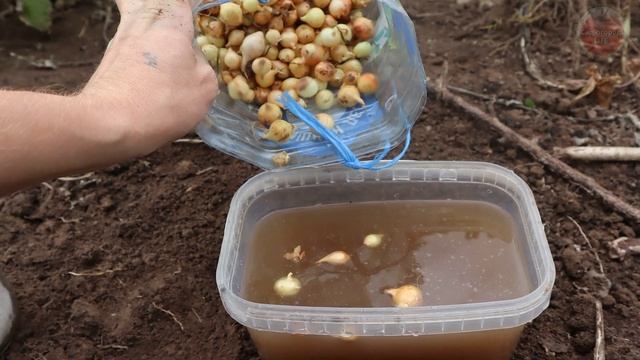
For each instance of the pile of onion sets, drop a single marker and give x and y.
(312, 49)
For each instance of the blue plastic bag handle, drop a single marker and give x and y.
(349, 159)
(215, 3)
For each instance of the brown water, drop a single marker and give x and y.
(455, 252)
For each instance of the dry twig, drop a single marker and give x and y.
(540, 154)
(76, 178)
(601, 153)
(94, 273)
(173, 316)
(599, 350)
(425, 15)
(196, 314)
(205, 170)
(113, 346)
(586, 239)
(532, 68)
(188, 141)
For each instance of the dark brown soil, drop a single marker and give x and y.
(150, 230)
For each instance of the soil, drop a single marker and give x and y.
(94, 262)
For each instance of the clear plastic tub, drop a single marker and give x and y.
(385, 120)
(487, 330)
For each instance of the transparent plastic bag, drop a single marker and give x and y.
(383, 123)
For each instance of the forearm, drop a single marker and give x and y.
(44, 136)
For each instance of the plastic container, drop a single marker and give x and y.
(230, 126)
(488, 330)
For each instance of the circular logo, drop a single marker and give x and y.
(601, 31)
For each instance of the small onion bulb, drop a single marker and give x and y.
(324, 71)
(340, 9)
(346, 32)
(312, 54)
(235, 38)
(329, 22)
(282, 70)
(307, 87)
(286, 55)
(314, 17)
(289, 84)
(349, 96)
(352, 65)
(330, 37)
(303, 8)
(287, 286)
(327, 121)
(202, 40)
(231, 14)
(269, 113)
(239, 88)
(262, 95)
(279, 131)
(299, 68)
(351, 78)
(272, 53)
(216, 29)
(338, 78)
(266, 80)
(232, 60)
(336, 257)
(210, 52)
(321, 3)
(368, 84)
(273, 37)
(262, 17)
(306, 34)
(363, 49)
(373, 240)
(325, 99)
(289, 39)
(261, 66)
(341, 54)
(406, 296)
(250, 6)
(363, 28)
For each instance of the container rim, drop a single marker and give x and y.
(413, 321)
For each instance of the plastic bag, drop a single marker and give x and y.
(371, 130)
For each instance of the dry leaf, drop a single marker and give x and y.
(296, 255)
(586, 89)
(605, 89)
(604, 86)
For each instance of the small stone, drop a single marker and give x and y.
(185, 169)
(574, 263)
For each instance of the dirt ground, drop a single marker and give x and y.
(147, 233)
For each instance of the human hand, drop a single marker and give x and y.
(151, 85)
